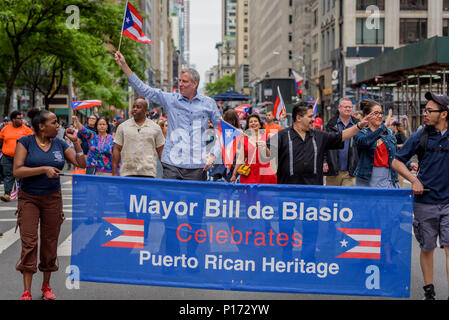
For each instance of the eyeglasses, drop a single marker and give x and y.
(430, 111)
(377, 113)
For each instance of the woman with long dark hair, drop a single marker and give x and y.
(249, 153)
(377, 148)
(38, 160)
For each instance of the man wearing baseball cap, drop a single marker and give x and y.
(431, 186)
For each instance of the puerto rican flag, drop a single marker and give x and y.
(315, 108)
(243, 110)
(132, 25)
(279, 106)
(298, 80)
(77, 105)
(126, 233)
(361, 244)
(228, 137)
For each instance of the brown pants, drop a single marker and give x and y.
(344, 179)
(47, 211)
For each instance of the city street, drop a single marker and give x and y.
(12, 286)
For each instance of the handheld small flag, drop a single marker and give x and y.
(77, 105)
(315, 108)
(298, 80)
(242, 110)
(228, 137)
(279, 106)
(132, 25)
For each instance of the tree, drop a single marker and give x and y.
(221, 85)
(37, 28)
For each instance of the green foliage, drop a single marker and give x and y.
(35, 30)
(222, 85)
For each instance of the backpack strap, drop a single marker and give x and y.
(422, 143)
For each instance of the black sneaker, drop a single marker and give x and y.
(429, 292)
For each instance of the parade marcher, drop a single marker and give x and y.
(4, 123)
(38, 160)
(188, 114)
(399, 133)
(300, 149)
(339, 165)
(377, 148)
(219, 171)
(99, 156)
(164, 126)
(430, 186)
(138, 143)
(271, 127)
(115, 123)
(91, 121)
(249, 153)
(8, 140)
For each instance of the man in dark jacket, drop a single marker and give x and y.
(339, 165)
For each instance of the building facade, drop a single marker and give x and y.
(345, 33)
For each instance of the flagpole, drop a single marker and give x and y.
(123, 23)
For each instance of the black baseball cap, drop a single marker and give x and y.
(441, 99)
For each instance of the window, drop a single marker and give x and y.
(446, 5)
(315, 17)
(445, 27)
(363, 4)
(315, 43)
(369, 35)
(413, 4)
(412, 30)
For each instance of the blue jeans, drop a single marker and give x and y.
(8, 177)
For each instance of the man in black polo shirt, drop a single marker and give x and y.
(300, 149)
(431, 207)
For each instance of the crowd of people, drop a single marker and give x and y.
(358, 147)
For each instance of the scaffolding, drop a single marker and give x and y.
(400, 78)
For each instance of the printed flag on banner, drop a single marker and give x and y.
(367, 244)
(242, 110)
(228, 137)
(77, 105)
(132, 25)
(128, 233)
(315, 108)
(298, 80)
(279, 106)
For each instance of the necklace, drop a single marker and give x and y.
(41, 144)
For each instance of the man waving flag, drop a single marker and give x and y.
(132, 25)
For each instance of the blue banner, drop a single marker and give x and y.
(303, 239)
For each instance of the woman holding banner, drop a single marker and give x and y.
(248, 155)
(38, 161)
(377, 148)
(100, 145)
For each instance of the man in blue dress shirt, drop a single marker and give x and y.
(188, 113)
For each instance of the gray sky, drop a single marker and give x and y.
(205, 32)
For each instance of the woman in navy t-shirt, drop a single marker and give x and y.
(38, 160)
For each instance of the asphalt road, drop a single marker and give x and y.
(12, 285)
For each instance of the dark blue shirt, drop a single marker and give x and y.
(36, 157)
(343, 153)
(433, 167)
